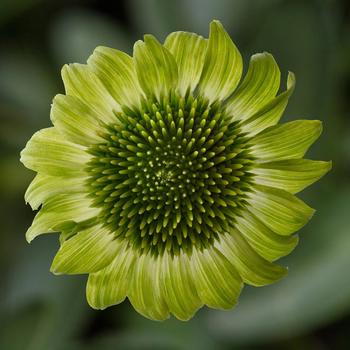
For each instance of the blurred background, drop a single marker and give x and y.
(310, 309)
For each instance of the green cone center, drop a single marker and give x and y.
(171, 175)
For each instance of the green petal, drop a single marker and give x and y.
(263, 240)
(44, 186)
(179, 289)
(252, 267)
(270, 113)
(155, 66)
(189, 51)
(49, 153)
(87, 251)
(259, 86)
(109, 286)
(117, 72)
(286, 141)
(291, 175)
(145, 289)
(217, 281)
(60, 209)
(278, 209)
(222, 68)
(80, 81)
(75, 120)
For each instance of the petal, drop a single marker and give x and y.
(263, 240)
(49, 153)
(109, 286)
(80, 81)
(253, 269)
(87, 251)
(270, 113)
(278, 209)
(117, 73)
(286, 141)
(155, 66)
(222, 68)
(179, 290)
(45, 186)
(189, 51)
(75, 120)
(259, 86)
(145, 289)
(61, 209)
(217, 281)
(291, 175)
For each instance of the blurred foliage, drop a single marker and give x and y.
(41, 312)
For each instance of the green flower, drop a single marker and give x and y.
(169, 180)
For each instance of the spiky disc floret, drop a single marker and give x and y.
(170, 181)
(170, 175)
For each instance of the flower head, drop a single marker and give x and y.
(170, 181)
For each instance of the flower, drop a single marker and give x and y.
(170, 181)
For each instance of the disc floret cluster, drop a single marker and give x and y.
(170, 176)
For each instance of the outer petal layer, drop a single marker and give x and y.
(110, 285)
(117, 73)
(156, 67)
(189, 51)
(263, 240)
(252, 268)
(259, 86)
(291, 175)
(216, 279)
(81, 82)
(60, 210)
(87, 251)
(179, 289)
(286, 141)
(76, 120)
(222, 68)
(278, 209)
(45, 186)
(271, 112)
(145, 291)
(49, 153)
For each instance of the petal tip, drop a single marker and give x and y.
(64, 69)
(54, 271)
(91, 302)
(148, 38)
(30, 235)
(329, 165)
(318, 125)
(216, 22)
(22, 156)
(291, 81)
(311, 213)
(139, 44)
(54, 268)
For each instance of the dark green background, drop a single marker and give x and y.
(310, 309)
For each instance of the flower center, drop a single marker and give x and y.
(171, 175)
